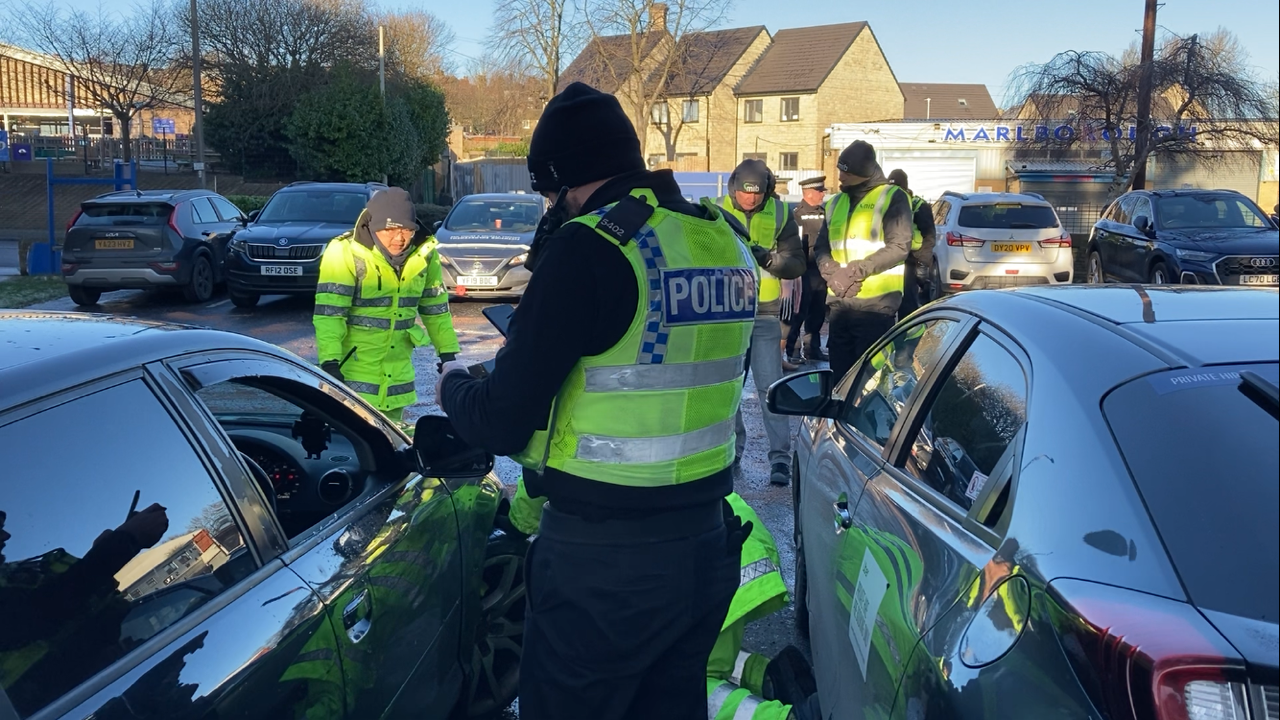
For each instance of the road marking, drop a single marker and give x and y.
(220, 303)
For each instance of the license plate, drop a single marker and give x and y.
(1011, 247)
(478, 281)
(281, 270)
(1260, 279)
(113, 244)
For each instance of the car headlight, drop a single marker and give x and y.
(519, 259)
(236, 243)
(444, 260)
(1194, 255)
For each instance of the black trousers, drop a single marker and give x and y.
(812, 315)
(622, 615)
(852, 333)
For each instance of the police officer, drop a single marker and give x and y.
(809, 215)
(375, 282)
(860, 251)
(920, 262)
(775, 243)
(616, 390)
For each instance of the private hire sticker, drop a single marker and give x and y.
(864, 607)
(976, 483)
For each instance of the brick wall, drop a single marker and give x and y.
(861, 88)
(772, 137)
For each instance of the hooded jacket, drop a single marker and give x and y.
(845, 281)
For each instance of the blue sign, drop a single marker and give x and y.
(4, 146)
(162, 126)
(708, 295)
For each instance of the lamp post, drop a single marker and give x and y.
(197, 99)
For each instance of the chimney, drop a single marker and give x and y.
(658, 17)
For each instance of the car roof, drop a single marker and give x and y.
(994, 197)
(143, 196)
(306, 185)
(44, 352)
(502, 196)
(1185, 191)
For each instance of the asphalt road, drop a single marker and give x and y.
(286, 322)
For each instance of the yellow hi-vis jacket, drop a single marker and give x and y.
(857, 234)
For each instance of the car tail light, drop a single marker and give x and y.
(165, 266)
(1062, 241)
(69, 268)
(173, 219)
(74, 218)
(955, 239)
(1142, 657)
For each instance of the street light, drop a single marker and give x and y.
(197, 100)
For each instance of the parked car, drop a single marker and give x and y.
(278, 252)
(484, 241)
(148, 239)
(198, 524)
(1036, 533)
(1188, 237)
(997, 240)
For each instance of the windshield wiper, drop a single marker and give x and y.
(1023, 226)
(1262, 392)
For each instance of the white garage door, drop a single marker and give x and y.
(930, 176)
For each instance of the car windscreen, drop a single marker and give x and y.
(1007, 216)
(471, 216)
(1208, 211)
(313, 206)
(1204, 456)
(124, 214)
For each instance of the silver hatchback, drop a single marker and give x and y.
(998, 240)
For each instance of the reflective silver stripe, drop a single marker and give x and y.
(746, 708)
(433, 291)
(336, 289)
(635, 451)
(335, 310)
(408, 302)
(757, 569)
(437, 309)
(373, 322)
(402, 389)
(716, 699)
(384, 301)
(739, 666)
(877, 220)
(363, 387)
(361, 271)
(671, 376)
(405, 323)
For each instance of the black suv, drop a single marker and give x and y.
(197, 524)
(148, 239)
(1195, 237)
(278, 253)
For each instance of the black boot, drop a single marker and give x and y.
(816, 354)
(788, 678)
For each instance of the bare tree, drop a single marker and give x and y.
(1205, 101)
(123, 63)
(417, 43)
(536, 37)
(691, 75)
(494, 99)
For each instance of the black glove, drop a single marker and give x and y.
(762, 255)
(736, 531)
(444, 358)
(334, 368)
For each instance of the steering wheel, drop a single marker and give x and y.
(264, 481)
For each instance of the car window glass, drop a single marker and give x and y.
(975, 415)
(323, 206)
(1208, 210)
(124, 213)
(1141, 206)
(83, 582)
(883, 385)
(203, 212)
(295, 446)
(1123, 206)
(493, 215)
(940, 213)
(1007, 216)
(229, 212)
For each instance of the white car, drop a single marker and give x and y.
(998, 240)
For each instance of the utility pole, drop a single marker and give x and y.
(1144, 95)
(197, 98)
(382, 72)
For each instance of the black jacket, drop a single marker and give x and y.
(580, 302)
(922, 259)
(846, 281)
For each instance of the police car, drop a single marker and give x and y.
(484, 242)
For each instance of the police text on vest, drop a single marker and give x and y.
(708, 295)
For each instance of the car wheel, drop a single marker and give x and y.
(1160, 274)
(935, 282)
(244, 300)
(493, 672)
(200, 289)
(83, 296)
(1093, 274)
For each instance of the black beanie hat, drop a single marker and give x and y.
(859, 160)
(899, 177)
(582, 136)
(751, 176)
(391, 208)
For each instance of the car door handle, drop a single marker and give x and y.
(844, 519)
(356, 618)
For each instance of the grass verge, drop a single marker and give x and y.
(23, 291)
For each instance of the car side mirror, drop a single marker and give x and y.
(1143, 224)
(442, 453)
(253, 216)
(436, 225)
(805, 394)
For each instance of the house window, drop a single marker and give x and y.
(762, 157)
(660, 113)
(790, 109)
(964, 103)
(753, 111)
(789, 161)
(689, 113)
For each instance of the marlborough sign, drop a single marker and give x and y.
(1047, 133)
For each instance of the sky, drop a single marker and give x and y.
(962, 42)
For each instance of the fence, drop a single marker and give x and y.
(1078, 218)
(176, 151)
(490, 175)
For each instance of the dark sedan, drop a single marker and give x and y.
(278, 253)
(484, 241)
(1073, 515)
(1185, 237)
(196, 524)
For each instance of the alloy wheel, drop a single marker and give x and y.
(495, 658)
(1095, 269)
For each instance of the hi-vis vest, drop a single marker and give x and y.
(856, 235)
(658, 408)
(917, 238)
(761, 589)
(726, 701)
(765, 228)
